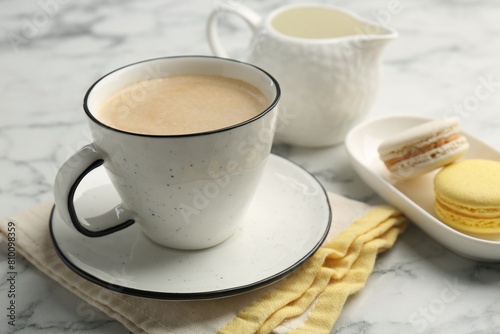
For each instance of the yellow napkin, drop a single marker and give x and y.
(307, 301)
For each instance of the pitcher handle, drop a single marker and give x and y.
(248, 15)
(67, 180)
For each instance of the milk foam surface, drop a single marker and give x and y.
(182, 105)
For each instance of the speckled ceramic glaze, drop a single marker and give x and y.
(184, 191)
(329, 77)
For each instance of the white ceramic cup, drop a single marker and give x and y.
(325, 58)
(185, 191)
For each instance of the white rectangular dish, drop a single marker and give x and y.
(415, 197)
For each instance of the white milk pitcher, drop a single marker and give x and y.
(325, 59)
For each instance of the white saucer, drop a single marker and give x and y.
(288, 220)
(415, 197)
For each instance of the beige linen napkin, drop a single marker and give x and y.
(307, 301)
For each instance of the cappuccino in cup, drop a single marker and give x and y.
(182, 104)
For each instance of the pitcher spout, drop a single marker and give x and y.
(363, 33)
(373, 31)
(369, 40)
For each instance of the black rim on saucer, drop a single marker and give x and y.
(195, 295)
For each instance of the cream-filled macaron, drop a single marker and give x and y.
(423, 148)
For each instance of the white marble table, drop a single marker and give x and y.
(52, 50)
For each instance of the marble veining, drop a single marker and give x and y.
(444, 63)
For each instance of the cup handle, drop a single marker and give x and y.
(67, 180)
(248, 15)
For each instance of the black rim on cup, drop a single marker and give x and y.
(270, 107)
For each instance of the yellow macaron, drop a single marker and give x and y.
(468, 196)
